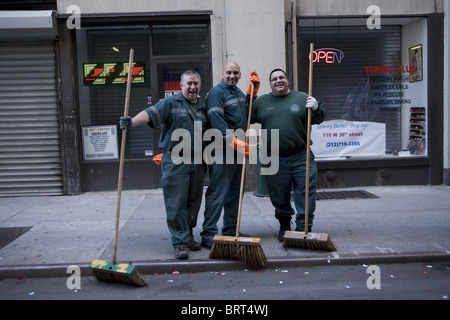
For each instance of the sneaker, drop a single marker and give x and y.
(181, 252)
(193, 245)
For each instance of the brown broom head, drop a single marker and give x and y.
(117, 273)
(247, 250)
(310, 241)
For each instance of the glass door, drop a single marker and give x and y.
(169, 74)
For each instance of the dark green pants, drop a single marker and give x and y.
(292, 173)
(183, 189)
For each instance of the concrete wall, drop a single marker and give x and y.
(447, 93)
(254, 38)
(128, 6)
(359, 7)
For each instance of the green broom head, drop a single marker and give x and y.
(247, 250)
(310, 241)
(117, 273)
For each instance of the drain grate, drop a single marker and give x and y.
(343, 195)
(9, 234)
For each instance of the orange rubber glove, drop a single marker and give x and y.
(157, 159)
(242, 147)
(255, 79)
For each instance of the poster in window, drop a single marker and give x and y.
(341, 138)
(100, 143)
(171, 88)
(416, 63)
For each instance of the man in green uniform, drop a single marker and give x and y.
(227, 108)
(182, 181)
(286, 110)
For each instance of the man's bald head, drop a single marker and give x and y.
(231, 74)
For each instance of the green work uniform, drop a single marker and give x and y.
(182, 183)
(227, 109)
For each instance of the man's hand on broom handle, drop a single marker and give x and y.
(241, 147)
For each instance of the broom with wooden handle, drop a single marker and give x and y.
(306, 240)
(246, 249)
(110, 271)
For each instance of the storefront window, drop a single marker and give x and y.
(103, 87)
(103, 56)
(180, 40)
(371, 89)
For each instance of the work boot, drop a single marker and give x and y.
(285, 225)
(193, 245)
(207, 244)
(181, 252)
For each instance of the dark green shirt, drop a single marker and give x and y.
(172, 113)
(227, 108)
(289, 115)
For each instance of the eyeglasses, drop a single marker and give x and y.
(280, 78)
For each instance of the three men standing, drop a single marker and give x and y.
(227, 111)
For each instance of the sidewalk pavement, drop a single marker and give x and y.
(404, 224)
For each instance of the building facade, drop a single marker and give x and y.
(381, 69)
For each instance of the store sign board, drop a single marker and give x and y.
(340, 138)
(100, 143)
(112, 73)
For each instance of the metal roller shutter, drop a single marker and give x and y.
(345, 88)
(30, 155)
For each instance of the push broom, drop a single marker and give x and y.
(110, 271)
(307, 240)
(246, 249)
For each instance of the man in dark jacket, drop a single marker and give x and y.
(227, 108)
(182, 181)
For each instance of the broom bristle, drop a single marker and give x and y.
(310, 241)
(247, 250)
(135, 279)
(117, 273)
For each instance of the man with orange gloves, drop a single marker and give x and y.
(227, 109)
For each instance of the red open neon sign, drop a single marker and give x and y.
(327, 55)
